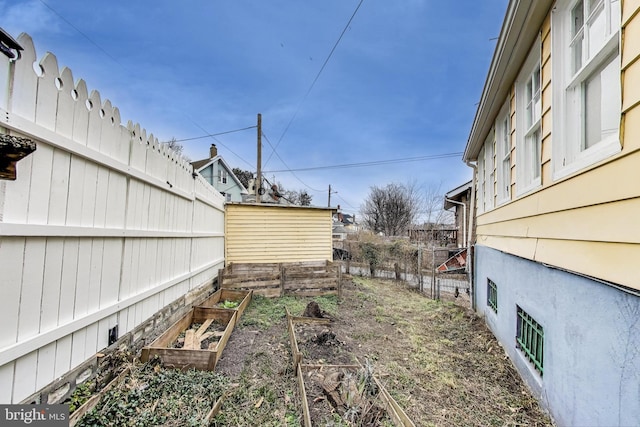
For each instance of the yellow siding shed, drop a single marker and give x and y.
(266, 233)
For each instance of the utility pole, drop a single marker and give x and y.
(259, 162)
(329, 199)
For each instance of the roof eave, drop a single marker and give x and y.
(521, 25)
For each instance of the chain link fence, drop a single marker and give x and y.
(413, 263)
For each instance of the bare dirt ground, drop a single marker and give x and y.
(436, 358)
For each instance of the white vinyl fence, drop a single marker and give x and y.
(103, 226)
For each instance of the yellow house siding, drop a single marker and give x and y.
(630, 8)
(268, 233)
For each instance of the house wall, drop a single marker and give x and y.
(103, 227)
(581, 222)
(273, 233)
(210, 174)
(591, 360)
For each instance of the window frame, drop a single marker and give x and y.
(490, 170)
(528, 154)
(503, 153)
(492, 295)
(223, 176)
(570, 153)
(530, 333)
(481, 180)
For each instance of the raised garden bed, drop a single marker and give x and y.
(229, 299)
(349, 394)
(149, 394)
(180, 346)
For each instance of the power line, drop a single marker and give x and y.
(81, 33)
(287, 166)
(208, 134)
(373, 163)
(211, 134)
(286, 129)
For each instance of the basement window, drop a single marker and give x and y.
(492, 295)
(530, 339)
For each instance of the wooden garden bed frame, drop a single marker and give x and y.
(395, 412)
(187, 358)
(221, 295)
(293, 340)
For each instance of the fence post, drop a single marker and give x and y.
(433, 273)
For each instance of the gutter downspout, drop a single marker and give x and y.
(465, 239)
(470, 253)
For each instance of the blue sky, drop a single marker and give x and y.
(403, 82)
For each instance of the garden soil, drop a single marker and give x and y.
(437, 359)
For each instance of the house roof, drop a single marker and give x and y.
(199, 165)
(520, 27)
(456, 194)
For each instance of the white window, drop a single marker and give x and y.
(490, 171)
(481, 181)
(222, 176)
(529, 122)
(227, 197)
(503, 148)
(586, 67)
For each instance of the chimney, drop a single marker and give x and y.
(213, 151)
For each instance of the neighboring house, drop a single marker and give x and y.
(556, 143)
(460, 199)
(343, 224)
(218, 173)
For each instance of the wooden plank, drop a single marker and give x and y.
(170, 335)
(222, 343)
(250, 277)
(312, 284)
(253, 285)
(313, 293)
(303, 319)
(202, 314)
(181, 358)
(397, 413)
(93, 400)
(214, 410)
(295, 350)
(303, 396)
(190, 340)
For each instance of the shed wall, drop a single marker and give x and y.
(270, 233)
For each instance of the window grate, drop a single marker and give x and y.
(492, 295)
(531, 339)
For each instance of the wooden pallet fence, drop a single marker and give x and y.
(203, 359)
(243, 298)
(305, 372)
(275, 280)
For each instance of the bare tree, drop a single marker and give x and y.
(392, 209)
(174, 145)
(433, 206)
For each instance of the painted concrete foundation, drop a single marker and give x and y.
(591, 338)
